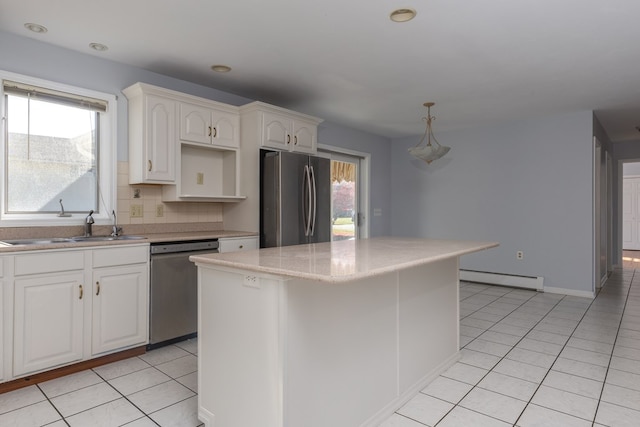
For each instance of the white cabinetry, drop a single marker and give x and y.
(63, 306)
(49, 307)
(206, 174)
(234, 244)
(265, 126)
(152, 135)
(275, 127)
(120, 298)
(186, 143)
(207, 125)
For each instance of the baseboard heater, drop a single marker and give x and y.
(512, 280)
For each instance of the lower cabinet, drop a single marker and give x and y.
(119, 307)
(73, 305)
(48, 322)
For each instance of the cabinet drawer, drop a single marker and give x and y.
(238, 244)
(120, 255)
(48, 262)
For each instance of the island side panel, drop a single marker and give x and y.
(342, 351)
(428, 322)
(239, 350)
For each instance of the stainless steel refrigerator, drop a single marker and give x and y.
(295, 199)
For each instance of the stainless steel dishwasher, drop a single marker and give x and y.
(173, 307)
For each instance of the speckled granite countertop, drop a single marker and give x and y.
(148, 238)
(196, 235)
(344, 260)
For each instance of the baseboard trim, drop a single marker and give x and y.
(70, 369)
(570, 292)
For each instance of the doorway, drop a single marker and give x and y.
(631, 206)
(344, 199)
(349, 194)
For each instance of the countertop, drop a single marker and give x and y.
(342, 261)
(148, 238)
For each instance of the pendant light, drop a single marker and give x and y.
(432, 150)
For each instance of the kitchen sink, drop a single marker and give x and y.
(51, 241)
(37, 241)
(104, 238)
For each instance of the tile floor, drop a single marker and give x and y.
(535, 359)
(158, 388)
(528, 359)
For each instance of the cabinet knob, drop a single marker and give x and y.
(215, 132)
(150, 165)
(295, 140)
(81, 292)
(209, 130)
(241, 246)
(288, 139)
(97, 288)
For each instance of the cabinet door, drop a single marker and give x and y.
(160, 140)
(48, 324)
(276, 131)
(226, 129)
(195, 123)
(120, 297)
(304, 137)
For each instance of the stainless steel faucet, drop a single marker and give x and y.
(115, 230)
(88, 222)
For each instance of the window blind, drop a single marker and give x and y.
(42, 94)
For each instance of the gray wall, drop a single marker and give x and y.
(29, 57)
(36, 59)
(525, 184)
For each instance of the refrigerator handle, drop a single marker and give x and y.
(315, 202)
(306, 201)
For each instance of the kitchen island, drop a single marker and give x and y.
(328, 334)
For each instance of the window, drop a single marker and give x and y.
(58, 150)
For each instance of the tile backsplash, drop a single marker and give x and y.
(148, 198)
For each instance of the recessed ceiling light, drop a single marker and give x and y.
(36, 28)
(98, 46)
(221, 68)
(402, 15)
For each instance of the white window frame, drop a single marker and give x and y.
(107, 166)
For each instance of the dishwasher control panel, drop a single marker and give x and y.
(184, 246)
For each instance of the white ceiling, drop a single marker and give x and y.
(346, 62)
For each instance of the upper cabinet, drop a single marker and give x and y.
(152, 135)
(188, 144)
(207, 125)
(280, 129)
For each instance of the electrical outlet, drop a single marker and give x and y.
(159, 211)
(519, 255)
(252, 281)
(136, 211)
(199, 178)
